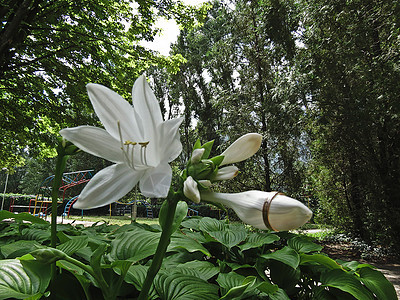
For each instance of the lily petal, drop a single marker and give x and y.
(111, 108)
(156, 182)
(95, 141)
(170, 139)
(241, 149)
(146, 105)
(107, 186)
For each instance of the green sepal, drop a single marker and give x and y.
(207, 147)
(203, 170)
(217, 160)
(197, 145)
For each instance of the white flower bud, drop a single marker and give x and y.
(205, 183)
(190, 190)
(241, 149)
(264, 210)
(226, 173)
(197, 155)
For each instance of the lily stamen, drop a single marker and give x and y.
(128, 153)
(143, 152)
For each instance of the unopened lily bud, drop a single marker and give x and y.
(190, 190)
(197, 155)
(205, 183)
(226, 173)
(48, 255)
(241, 149)
(264, 210)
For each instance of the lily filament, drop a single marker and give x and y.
(128, 149)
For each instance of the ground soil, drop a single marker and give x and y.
(389, 265)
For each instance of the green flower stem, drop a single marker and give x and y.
(103, 285)
(60, 167)
(161, 248)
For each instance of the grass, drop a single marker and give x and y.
(115, 220)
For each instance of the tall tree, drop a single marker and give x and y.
(352, 60)
(49, 51)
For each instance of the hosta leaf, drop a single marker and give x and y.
(73, 245)
(23, 279)
(192, 223)
(36, 234)
(201, 269)
(319, 259)
(230, 280)
(185, 242)
(256, 240)
(267, 287)
(134, 245)
(346, 282)
(285, 255)
(18, 248)
(238, 291)
(208, 225)
(181, 286)
(229, 238)
(197, 236)
(4, 214)
(376, 282)
(303, 245)
(279, 295)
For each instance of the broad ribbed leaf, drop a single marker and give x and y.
(23, 279)
(134, 245)
(181, 286)
(22, 217)
(230, 280)
(346, 282)
(36, 234)
(267, 287)
(73, 245)
(18, 248)
(200, 269)
(320, 259)
(192, 223)
(279, 295)
(229, 238)
(136, 276)
(285, 255)
(376, 282)
(179, 240)
(208, 225)
(303, 245)
(256, 240)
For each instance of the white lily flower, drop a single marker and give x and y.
(135, 138)
(190, 190)
(226, 173)
(241, 149)
(264, 210)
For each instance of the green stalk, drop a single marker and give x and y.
(161, 248)
(60, 167)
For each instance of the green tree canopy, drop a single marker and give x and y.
(49, 51)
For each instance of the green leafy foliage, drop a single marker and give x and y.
(206, 258)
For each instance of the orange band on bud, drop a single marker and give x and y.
(265, 211)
